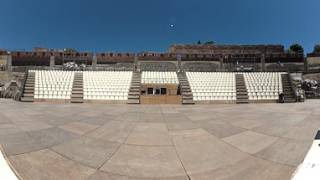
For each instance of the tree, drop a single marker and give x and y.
(199, 42)
(296, 48)
(316, 49)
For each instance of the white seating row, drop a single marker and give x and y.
(153, 77)
(263, 86)
(53, 84)
(106, 85)
(211, 86)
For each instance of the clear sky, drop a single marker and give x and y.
(144, 25)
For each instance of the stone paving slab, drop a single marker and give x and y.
(248, 169)
(286, 151)
(108, 176)
(79, 127)
(88, 151)
(48, 165)
(204, 152)
(250, 142)
(52, 136)
(115, 131)
(150, 134)
(157, 142)
(143, 161)
(220, 129)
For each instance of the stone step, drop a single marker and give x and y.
(134, 96)
(28, 91)
(242, 101)
(28, 95)
(77, 89)
(27, 99)
(76, 100)
(241, 92)
(187, 98)
(76, 96)
(135, 86)
(135, 90)
(187, 93)
(133, 101)
(134, 93)
(242, 97)
(187, 102)
(29, 88)
(29, 85)
(77, 92)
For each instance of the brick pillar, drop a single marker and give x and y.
(52, 61)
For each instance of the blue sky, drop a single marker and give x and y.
(144, 25)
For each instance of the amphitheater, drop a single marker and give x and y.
(157, 116)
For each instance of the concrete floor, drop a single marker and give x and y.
(158, 142)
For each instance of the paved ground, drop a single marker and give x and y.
(128, 142)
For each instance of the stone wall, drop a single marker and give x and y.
(226, 49)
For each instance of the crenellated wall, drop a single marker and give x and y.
(226, 49)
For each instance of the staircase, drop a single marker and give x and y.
(287, 89)
(134, 92)
(77, 88)
(28, 91)
(242, 94)
(187, 97)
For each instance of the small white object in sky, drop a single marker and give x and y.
(171, 25)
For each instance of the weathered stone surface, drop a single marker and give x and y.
(250, 142)
(157, 142)
(88, 151)
(142, 161)
(79, 127)
(46, 164)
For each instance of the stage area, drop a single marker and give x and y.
(142, 142)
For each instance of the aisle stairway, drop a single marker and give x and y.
(77, 88)
(28, 91)
(287, 89)
(134, 92)
(185, 90)
(242, 94)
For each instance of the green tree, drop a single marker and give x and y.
(296, 48)
(316, 48)
(199, 42)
